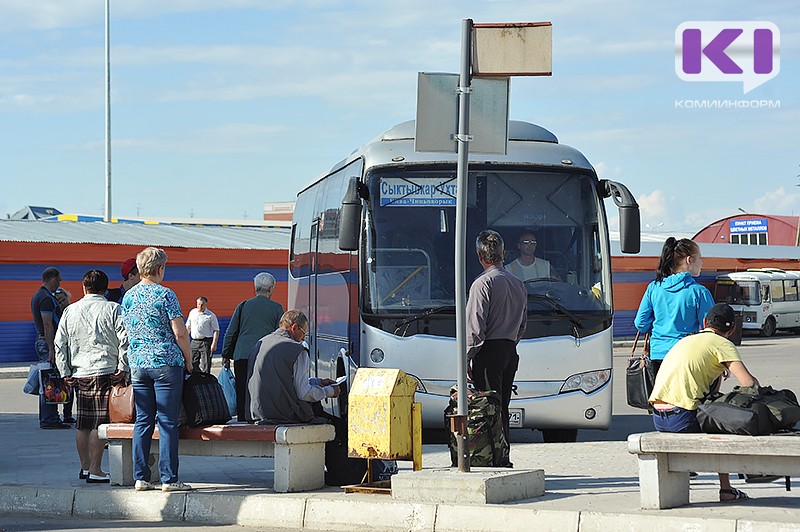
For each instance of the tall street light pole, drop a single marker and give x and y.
(108, 117)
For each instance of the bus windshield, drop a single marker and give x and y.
(549, 221)
(737, 292)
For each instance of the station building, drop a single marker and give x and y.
(752, 229)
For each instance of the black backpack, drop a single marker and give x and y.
(204, 400)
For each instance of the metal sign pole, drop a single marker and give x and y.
(462, 139)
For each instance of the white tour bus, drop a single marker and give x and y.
(372, 265)
(767, 298)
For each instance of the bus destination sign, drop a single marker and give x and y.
(399, 192)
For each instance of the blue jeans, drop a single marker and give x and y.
(676, 420)
(157, 393)
(48, 414)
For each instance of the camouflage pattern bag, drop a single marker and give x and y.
(487, 441)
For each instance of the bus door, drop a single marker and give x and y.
(328, 305)
(313, 271)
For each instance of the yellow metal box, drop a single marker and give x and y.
(379, 415)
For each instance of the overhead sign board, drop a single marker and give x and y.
(512, 49)
(437, 114)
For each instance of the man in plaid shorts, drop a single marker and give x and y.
(91, 353)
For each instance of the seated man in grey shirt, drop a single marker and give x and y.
(278, 385)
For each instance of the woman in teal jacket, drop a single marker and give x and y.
(673, 305)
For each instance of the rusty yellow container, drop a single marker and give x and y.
(379, 414)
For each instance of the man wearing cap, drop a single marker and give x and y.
(130, 277)
(687, 374)
(203, 327)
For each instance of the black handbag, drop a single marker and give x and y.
(204, 400)
(639, 376)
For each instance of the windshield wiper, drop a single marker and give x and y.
(561, 309)
(434, 310)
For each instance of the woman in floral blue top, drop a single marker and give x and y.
(158, 352)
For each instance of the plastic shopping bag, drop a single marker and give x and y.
(228, 383)
(53, 388)
(32, 384)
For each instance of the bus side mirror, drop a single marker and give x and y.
(350, 218)
(629, 229)
(629, 223)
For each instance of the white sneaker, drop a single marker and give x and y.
(143, 485)
(176, 486)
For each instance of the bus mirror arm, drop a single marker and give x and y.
(629, 222)
(350, 216)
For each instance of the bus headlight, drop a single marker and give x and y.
(749, 317)
(586, 382)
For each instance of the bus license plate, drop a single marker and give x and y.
(515, 418)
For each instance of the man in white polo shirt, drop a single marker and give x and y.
(203, 327)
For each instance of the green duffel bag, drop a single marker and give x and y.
(782, 405)
(750, 410)
(488, 446)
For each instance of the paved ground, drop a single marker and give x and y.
(591, 484)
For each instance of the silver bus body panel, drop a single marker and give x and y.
(432, 360)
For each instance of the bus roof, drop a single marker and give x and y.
(527, 143)
(760, 274)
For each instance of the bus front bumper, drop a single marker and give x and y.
(572, 410)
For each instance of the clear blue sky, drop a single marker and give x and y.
(218, 107)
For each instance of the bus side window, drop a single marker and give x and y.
(765, 290)
(776, 287)
(790, 290)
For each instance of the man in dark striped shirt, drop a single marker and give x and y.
(497, 312)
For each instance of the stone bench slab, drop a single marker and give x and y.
(299, 450)
(665, 460)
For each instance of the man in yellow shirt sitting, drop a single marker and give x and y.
(688, 373)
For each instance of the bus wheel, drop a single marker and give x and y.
(559, 435)
(769, 327)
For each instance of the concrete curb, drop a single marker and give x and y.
(14, 372)
(272, 511)
(318, 512)
(26, 499)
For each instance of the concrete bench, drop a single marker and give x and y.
(299, 450)
(665, 460)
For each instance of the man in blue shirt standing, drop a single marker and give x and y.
(46, 312)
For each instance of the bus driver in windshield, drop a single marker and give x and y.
(527, 266)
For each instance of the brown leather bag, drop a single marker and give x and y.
(121, 408)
